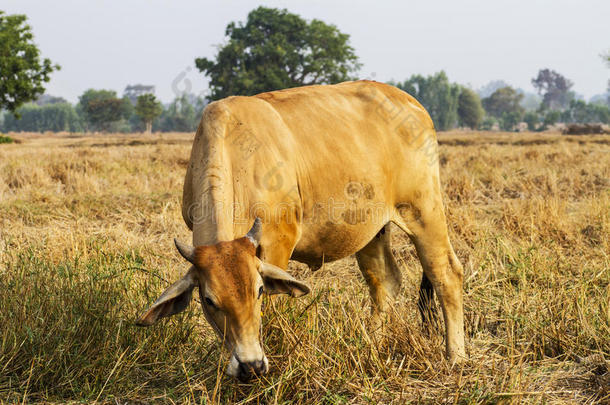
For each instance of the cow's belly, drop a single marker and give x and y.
(335, 235)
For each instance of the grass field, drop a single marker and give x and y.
(86, 230)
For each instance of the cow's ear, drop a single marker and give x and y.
(173, 300)
(277, 281)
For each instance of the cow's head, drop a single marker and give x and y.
(231, 281)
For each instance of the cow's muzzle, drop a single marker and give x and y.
(248, 370)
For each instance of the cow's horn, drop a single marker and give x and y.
(254, 234)
(187, 251)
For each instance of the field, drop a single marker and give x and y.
(86, 230)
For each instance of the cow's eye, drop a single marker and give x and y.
(209, 302)
(260, 292)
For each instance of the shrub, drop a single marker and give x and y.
(6, 139)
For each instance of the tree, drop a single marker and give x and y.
(503, 100)
(470, 111)
(510, 119)
(554, 88)
(532, 120)
(276, 49)
(148, 108)
(54, 117)
(132, 92)
(488, 89)
(22, 72)
(437, 95)
(489, 123)
(102, 108)
(180, 115)
(48, 99)
(550, 118)
(581, 112)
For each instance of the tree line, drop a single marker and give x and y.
(273, 49)
(104, 111)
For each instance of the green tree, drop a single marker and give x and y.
(551, 117)
(510, 119)
(581, 112)
(276, 49)
(470, 112)
(532, 120)
(503, 100)
(148, 108)
(102, 108)
(554, 88)
(181, 115)
(437, 95)
(53, 117)
(22, 72)
(488, 123)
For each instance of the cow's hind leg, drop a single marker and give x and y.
(426, 225)
(380, 271)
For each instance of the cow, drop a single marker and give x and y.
(313, 174)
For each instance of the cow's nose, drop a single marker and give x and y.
(250, 369)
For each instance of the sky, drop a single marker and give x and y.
(112, 43)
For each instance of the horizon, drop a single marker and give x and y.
(512, 48)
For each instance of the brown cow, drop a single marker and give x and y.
(326, 168)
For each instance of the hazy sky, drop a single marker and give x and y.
(111, 43)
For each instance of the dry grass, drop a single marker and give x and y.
(86, 226)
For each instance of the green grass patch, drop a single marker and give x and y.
(69, 331)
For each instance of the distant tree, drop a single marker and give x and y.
(470, 111)
(48, 99)
(510, 119)
(53, 117)
(532, 119)
(554, 88)
(603, 98)
(22, 72)
(276, 49)
(488, 89)
(148, 108)
(179, 116)
(489, 123)
(530, 101)
(551, 117)
(581, 112)
(102, 108)
(437, 95)
(132, 92)
(504, 100)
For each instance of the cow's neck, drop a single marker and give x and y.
(212, 192)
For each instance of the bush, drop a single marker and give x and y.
(6, 139)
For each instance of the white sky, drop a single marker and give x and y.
(112, 43)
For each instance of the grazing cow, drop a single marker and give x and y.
(321, 171)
